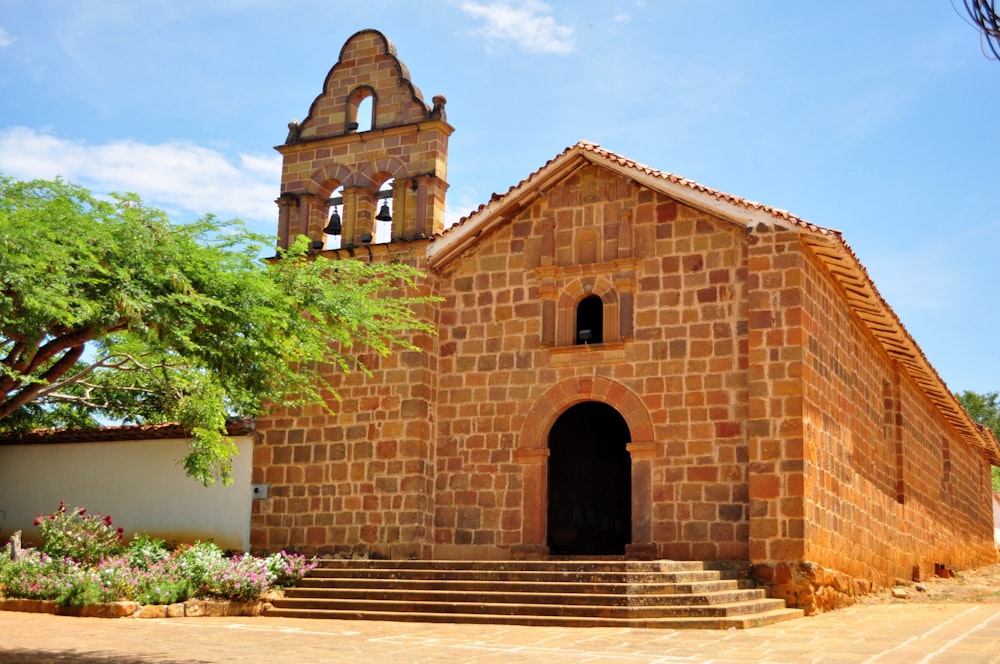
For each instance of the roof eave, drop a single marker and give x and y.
(878, 317)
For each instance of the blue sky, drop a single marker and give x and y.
(875, 117)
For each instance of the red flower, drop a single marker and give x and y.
(83, 510)
(107, 520)
(120, 530)
(37, 521)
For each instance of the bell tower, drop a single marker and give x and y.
(404, 141)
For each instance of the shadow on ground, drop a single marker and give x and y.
(21, 656)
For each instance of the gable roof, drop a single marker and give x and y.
(827, 245)
(501, 207)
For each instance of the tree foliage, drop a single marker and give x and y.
(986, 18)
(984, 409)
(110, 312)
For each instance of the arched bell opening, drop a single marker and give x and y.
(589, 482)
(333, 231)
(360, 112)
(384, 205)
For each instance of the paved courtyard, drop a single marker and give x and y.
(904, 633)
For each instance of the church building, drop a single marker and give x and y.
(626, 363)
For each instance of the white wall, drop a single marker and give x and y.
(996, 518)
(140, 484)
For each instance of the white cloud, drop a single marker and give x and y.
(5, 38)
(179, 176)
(527, 23)
(461, 203)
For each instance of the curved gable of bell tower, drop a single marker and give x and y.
(403, 141)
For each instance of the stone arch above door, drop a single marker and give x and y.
(532, 453)
(552, 404)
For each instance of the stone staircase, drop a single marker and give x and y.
(570, 593)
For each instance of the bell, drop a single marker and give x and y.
(334, 227)
(384, 214)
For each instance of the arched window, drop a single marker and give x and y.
(360, 115)
(590, 320)
(366, 111)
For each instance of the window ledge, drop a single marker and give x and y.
(587, 353)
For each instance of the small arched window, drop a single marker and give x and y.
(366, 110)
(360, 114)
(590, 320)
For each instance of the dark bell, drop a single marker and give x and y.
(384, 214)
(334, 227)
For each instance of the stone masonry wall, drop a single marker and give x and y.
(674, 343)
(357, 480)
(890, 488)
(893, 487)
(776, 463)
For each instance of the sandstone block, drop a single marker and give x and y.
(153, 611)
(194, 608)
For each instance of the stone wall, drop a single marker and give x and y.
(357, 479)
(810, 586)
(673, 344)
(775, 433)
(890, 488)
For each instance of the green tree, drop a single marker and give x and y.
(110, 312)
(984, 409)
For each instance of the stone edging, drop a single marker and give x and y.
(193, 608)
(810, 586)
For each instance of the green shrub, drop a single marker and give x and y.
(286, 569)
(144, 551)
(86, 538)
(199, 562)
(84, 589)
(243, 578)
(36, 575)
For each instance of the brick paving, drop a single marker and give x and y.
(904, 633)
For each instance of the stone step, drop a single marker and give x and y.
(530, 575)
(458, 607)
(563, 587)
(531, 596)
(713, 622)
(551, 592)
(568, 565)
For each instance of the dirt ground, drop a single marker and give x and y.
(977, 586)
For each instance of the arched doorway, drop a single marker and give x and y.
(589, 482)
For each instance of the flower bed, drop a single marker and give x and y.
(83, 562)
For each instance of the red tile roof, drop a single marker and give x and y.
(114, 433)
(596, 153)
